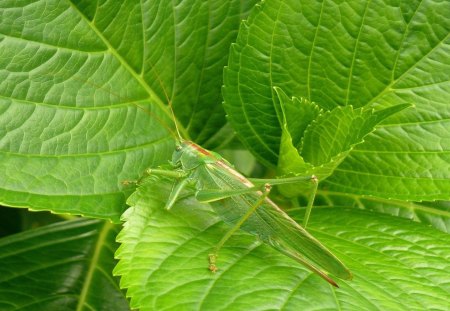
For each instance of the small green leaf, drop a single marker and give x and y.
(296, 115)
(324, 139)
(65, 266)
(332, 136)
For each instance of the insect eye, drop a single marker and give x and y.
(178, 147)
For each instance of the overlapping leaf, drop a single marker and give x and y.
(65, 266)
(362, 54)
(164, 261)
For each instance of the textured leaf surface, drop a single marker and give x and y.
(361, 53)
(163, 262)
(436, 214)
(322, 140)
(66, 266)
(82, 93)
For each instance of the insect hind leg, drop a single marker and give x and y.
(212, 257)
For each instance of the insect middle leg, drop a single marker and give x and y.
(292, 180)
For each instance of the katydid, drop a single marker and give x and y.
(244, 204)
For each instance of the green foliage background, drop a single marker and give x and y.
(83, 93)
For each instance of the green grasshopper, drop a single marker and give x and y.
(244, 204)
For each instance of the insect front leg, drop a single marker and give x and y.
(155, 171)
(312, 196)
(182, 181)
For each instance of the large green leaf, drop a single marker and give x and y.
(360, 53)
(82, 93)
(397, 264)
(65, 266)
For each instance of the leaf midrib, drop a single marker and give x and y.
(93, 265)
(390, 87)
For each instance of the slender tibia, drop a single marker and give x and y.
(175, 193)
(312, 195)
(155, 171)
(129, 182)
(206, 196)
(213, 256)
(281, 181)
(167, 173)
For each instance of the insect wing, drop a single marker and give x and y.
(272, 225)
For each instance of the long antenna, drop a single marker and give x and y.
(169, 100)
(175, 121)
(135, 103)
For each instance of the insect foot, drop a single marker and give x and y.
(212, 263)
(129, 182)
